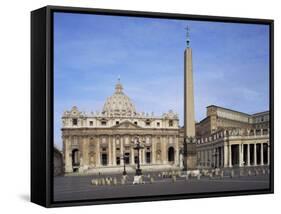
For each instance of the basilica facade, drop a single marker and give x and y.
(103, 141)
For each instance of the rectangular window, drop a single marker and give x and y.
(171, 123)
(103, 123)
(74, 121)
(117, 122)
(158, 124)
(147, 157)
(118, 160)
(91, 123)
(147, 123)
(127, 158)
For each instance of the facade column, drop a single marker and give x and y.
(86, 152)
(98, 151)
(109, 151)
(143, 156)
(177, 151)
(80, 141)
(261, 154)
(248, 155)
(67, 154)
(230, 156)
(255, 154)
(132, 155)
(147, 140)
(121, 151)
(163, 150)
(132, 159)
(113, 151)
(153, 152)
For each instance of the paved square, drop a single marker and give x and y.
(80, 187)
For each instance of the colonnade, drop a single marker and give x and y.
(229, 155)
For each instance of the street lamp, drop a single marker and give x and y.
(124, 157)
(138, 147)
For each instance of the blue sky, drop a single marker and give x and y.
(230, 64)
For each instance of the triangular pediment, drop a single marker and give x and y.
(126, 125)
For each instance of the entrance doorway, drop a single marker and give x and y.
(104, 159)
(171, 154)
(75, 159)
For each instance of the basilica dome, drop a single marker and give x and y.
(119, 104)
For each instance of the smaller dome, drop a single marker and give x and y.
(170, 115)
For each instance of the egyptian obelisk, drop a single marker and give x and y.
(190, 159)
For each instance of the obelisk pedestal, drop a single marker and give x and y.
(190, 157)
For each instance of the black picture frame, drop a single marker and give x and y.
(42, 104)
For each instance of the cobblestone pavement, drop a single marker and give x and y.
(80, 187)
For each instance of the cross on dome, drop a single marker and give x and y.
(118, 87)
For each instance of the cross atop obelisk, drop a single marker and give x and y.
(187, 36)
(190, 160)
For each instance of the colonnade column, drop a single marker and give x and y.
(255, 154)
(217, 157)
(268, 154)
(225, 156)
(230, 156)
(248, 155)
(262, 154)
(241, 155)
